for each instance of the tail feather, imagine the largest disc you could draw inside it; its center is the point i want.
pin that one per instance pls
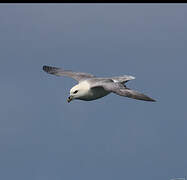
(123, 79)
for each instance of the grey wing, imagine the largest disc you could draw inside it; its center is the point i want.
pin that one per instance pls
(132, 94)
(78, 76)
(119, 89)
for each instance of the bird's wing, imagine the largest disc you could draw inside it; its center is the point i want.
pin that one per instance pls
(132, 94)
(78, 76)
(119, 89)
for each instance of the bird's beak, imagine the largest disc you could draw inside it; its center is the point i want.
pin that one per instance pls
(70, 98)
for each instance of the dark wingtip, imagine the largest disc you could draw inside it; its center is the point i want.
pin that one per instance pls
(152, 100)
(46, 68)
(49, 69)
(146, 98)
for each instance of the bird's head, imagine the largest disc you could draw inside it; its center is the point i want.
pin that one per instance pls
(77, 92)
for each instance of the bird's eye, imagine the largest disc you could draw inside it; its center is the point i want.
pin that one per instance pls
(75, 92)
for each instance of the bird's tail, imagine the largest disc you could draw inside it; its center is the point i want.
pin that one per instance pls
(122, 79)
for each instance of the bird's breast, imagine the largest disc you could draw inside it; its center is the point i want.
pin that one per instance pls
(94, 93)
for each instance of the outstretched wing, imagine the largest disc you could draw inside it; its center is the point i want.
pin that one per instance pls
(121, 90)
(78, 76)
(132, 94)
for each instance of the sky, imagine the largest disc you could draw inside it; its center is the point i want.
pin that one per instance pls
(42, 137)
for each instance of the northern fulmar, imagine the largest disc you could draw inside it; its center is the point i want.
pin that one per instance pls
(90, 87)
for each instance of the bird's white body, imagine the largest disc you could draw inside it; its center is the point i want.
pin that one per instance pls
(86, 93)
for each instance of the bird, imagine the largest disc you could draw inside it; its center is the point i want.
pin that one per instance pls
(90, 87)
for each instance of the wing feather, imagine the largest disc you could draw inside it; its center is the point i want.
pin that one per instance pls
(121, 90)
(133, 94)
(78, 76)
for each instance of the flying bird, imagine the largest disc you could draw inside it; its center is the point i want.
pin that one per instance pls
(90, 87)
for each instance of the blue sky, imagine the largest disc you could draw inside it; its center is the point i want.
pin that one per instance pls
(42, 137)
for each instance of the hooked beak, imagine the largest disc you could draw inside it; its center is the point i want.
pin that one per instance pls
(70, 98)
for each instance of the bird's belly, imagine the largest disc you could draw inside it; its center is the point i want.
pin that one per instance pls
(95, 94)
